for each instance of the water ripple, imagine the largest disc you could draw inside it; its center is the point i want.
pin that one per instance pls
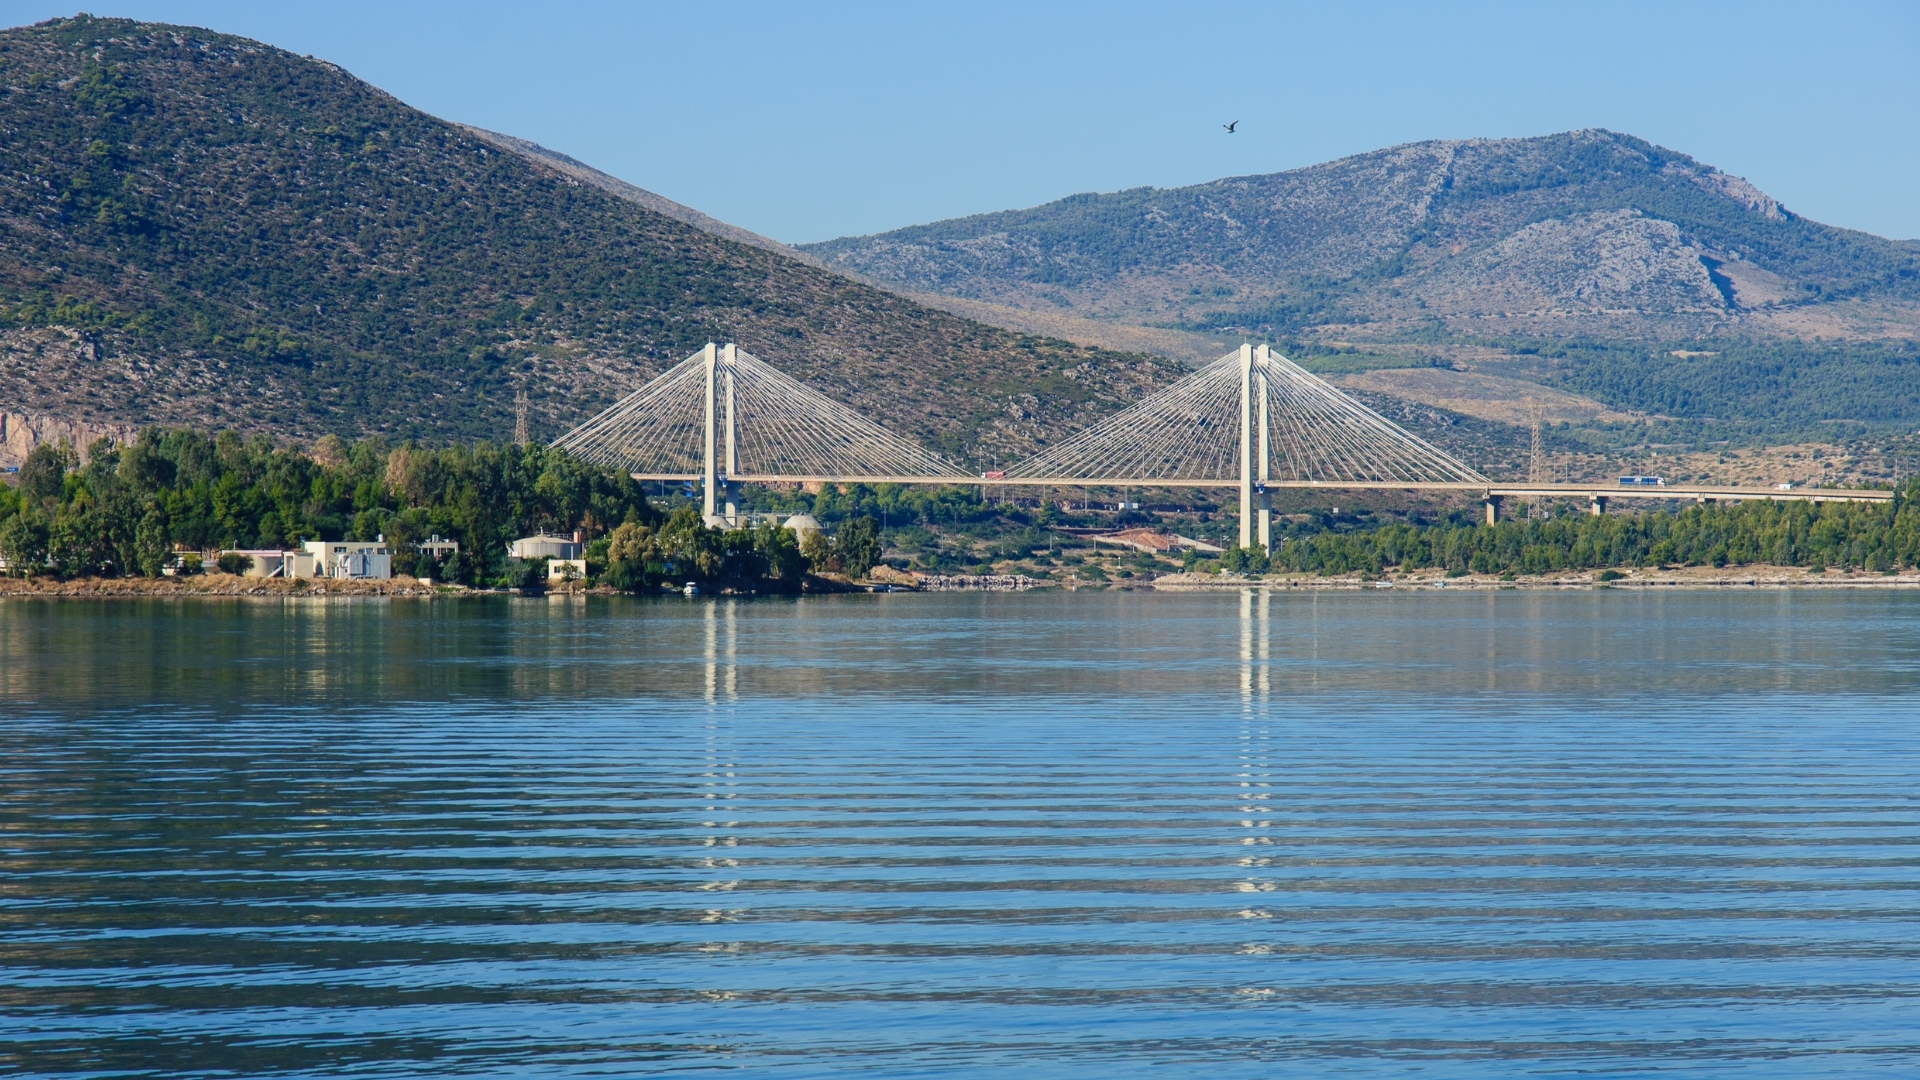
(1078, 836)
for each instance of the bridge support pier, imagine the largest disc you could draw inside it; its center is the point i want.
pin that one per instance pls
(709, 468)
(1256, 458)
(719, 493)
(1597, 506)
(1246, 446)
(1262, 472)
(730, 488)
(1493, 508)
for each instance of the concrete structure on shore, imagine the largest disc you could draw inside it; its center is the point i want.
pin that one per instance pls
(566, 570)
(351, 558)
(273, 562)
(547, 546)
(347, 559)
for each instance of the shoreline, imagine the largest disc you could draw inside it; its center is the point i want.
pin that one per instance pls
(217, 585)
(222, 586)
(1698, 577)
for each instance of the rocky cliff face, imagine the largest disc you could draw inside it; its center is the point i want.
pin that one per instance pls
(33, 362)
(20, 433)
(1605, 260)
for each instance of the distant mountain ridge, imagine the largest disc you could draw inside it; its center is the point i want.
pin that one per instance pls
(1585, 232)
(200, 229)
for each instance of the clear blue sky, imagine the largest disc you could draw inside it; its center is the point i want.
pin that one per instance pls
(805, 123)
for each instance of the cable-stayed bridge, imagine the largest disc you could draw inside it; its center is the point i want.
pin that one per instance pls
(723, 418)
(1251, 420)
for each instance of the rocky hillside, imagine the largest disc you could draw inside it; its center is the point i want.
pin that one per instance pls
(201, 229)
(1583, 233)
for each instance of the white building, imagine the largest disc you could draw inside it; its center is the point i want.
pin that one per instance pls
(566, 569)
(351, 558)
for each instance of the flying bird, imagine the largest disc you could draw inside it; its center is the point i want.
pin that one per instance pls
(1231, 126)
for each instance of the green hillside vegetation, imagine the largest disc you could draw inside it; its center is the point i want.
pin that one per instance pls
(1772, 382)
(1694, 392)
(246, 238)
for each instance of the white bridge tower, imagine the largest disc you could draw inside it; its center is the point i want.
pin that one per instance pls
(719, 494)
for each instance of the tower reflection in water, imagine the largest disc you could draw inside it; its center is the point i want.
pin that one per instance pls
(719, 779)
(1255, 777)
(722, 650)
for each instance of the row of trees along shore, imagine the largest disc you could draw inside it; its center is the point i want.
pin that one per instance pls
(1881, 536)
(129, 509)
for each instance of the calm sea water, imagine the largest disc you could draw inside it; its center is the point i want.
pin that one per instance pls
(1106, 835)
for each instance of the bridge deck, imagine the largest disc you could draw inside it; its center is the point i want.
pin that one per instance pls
(1492, 491)
(1688, 491)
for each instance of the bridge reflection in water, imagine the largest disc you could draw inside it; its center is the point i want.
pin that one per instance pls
(1256, 648)
(722, 652)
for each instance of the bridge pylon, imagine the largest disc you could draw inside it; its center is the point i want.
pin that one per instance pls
(1256, 448)
(722, 417)
(719, 363)
(1254, 420)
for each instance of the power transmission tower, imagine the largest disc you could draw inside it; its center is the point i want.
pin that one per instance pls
(520, 418)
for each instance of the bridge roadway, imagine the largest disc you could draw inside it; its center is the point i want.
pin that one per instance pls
(1597, 495)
